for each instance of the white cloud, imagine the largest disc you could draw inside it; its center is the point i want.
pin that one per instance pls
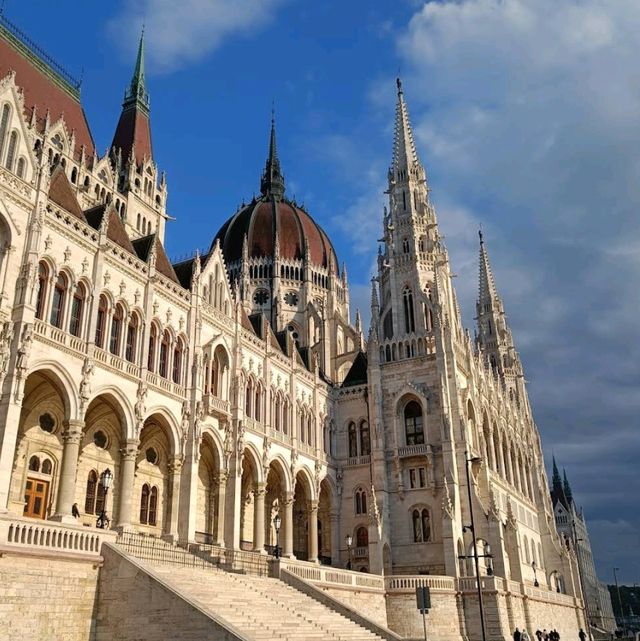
(178, 33)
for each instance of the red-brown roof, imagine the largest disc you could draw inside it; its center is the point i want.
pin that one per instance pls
(133, 131)
(260, 221)
(43, 88)
(61, 193)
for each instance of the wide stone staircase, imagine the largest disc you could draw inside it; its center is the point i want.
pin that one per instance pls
(260, 607)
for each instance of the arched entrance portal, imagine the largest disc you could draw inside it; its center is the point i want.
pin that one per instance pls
(325, 524)
(208, 526)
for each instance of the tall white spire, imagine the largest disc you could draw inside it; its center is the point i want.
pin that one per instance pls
(405, 162)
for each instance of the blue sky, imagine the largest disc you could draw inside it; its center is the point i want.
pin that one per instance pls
(527, 118)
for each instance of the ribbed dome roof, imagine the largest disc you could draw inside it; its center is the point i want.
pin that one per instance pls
(273, 216)
(267, 218)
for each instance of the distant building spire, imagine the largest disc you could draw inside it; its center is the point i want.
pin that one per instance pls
(272, 183)
(567, 488)
(556, 483)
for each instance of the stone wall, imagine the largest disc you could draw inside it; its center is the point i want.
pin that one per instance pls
(47, 598)
(369, 603)
(444, 621)
(135, 606)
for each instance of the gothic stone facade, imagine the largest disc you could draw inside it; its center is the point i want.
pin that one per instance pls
(231, 387)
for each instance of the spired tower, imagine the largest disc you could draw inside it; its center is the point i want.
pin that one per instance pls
(132, 155)
(441, 409)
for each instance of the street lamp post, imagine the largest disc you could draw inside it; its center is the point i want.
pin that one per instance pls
(105, 481)
(535, 576)
(277, 522)
(476, 557)
(349, 540)
(615, 577)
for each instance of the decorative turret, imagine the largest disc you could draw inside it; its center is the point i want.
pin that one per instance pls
(494, 335)
(272, 183)
(566, 487)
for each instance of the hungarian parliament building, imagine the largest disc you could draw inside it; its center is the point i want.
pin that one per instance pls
(229, 401)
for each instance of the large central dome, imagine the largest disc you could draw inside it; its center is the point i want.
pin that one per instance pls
(268, 220)
(272, 219)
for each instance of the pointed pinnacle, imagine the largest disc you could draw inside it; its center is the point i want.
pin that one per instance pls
(405, 156)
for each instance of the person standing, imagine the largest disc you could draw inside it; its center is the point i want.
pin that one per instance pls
(517, 636)
(582, 634)
(525, 635)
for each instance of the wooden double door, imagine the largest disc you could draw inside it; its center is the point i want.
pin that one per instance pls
(36, 494)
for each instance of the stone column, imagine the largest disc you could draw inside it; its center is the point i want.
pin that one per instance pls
(175, 468)
(128, 453)
(258, 517)
(287, 545)
(334, 518)
(313, 531)
(71, 438)
(223, 475)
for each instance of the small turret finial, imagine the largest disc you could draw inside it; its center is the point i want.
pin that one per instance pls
(480, 235)
(399, 85)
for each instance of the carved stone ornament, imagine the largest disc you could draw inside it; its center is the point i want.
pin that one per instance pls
(6, 338)
(447, 503)
(140, 408)
(197, 430)
(184, 425)
(266, 449)
(375, 518)
(85, 384)
(22, 360)
(294, 463)
(317, 476)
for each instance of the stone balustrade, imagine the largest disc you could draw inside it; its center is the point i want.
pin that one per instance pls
(328, 576)
(410, 583)
(21, 534)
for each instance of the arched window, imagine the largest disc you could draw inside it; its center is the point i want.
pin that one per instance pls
(21, 167)
(144, 504)
(74, 175)
(57, 304)
(153, 338)
(101, 321)
(365, 439)
(361, 501)
(301, 426)
(285, 417)
(132, 335)
(94, 497)
(46, 466)
(164, 354)
(405, 245)
(153, 505)
(362, 537)
(138, 222)
(248, 398)
(353, 440)
(4, 123)
(77, 310)
(413, 426)
(34, 464)
(387, 327)
(277, 408)
(43, 277)
(409, 318)
(116, 330)
(177, 361)
(11, 151)
(215, 374)
(256, 406)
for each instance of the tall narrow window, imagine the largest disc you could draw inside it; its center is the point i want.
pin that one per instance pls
(409, 322)
(11, 151)
(417, 527)
(285, 417)
(177, 361)
(43, 277)
(101, 321)
(362, 537)
(151, 359)
(144, 504)
(132, 334)
(248, 397)
(116, 330)
(90, 494)
(153, 505)
(426, 525)
(365, 439)
(164, 354)
(414, 430)
(215, 374)
(77, 309)
(276, 411)
(20, 168)
(99, 498)
(4, 123)
(353, 440)
(256, 406)
(57, 303)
